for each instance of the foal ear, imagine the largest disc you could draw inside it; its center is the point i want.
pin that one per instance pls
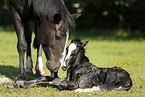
(84, 43)
(76, 15)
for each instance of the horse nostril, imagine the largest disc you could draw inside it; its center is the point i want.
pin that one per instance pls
(48, 64)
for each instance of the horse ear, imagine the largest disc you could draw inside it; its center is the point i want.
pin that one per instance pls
(84, 43)
(76, 15)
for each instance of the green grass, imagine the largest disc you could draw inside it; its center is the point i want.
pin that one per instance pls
(106, 49)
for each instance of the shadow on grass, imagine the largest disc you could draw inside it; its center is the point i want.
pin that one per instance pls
(9, 71)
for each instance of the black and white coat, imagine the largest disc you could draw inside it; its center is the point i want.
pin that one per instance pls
(85, 77)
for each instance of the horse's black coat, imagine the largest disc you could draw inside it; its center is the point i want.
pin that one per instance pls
(82, 74)
(49, 8)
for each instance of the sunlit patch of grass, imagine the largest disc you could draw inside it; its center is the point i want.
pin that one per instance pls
(105, 49)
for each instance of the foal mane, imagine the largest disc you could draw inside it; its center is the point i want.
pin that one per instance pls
(81, 57)
(46, 9)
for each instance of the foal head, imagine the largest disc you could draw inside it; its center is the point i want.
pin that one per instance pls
(53, 35)
(75, 51)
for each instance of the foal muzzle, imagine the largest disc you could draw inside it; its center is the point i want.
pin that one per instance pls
(65, 65)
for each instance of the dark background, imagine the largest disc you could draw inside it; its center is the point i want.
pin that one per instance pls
(100, 14)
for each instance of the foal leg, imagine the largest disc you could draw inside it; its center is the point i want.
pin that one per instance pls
(111, 80)
(63, 84)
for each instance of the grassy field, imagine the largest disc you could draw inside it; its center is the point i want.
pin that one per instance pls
(107, 48)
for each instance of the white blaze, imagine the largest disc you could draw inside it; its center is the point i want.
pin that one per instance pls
(71, 48)
(61, 60)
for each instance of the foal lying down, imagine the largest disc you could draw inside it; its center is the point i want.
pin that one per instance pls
(82, 76)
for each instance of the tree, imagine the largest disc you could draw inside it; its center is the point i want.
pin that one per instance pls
(5, 18)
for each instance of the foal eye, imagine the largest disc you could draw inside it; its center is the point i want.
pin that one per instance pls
(73, 52)
(66, 50)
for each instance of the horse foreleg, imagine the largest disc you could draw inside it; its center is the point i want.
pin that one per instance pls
(21, 44)
(54, 74)
(36, 44)
(29, 62)
(39, 64)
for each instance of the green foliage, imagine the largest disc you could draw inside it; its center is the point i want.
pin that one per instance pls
(110, 13)
(128, 14)
(5, 18)
(101, 50)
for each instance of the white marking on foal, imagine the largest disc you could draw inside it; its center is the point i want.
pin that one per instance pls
(29, 64)
(61, 60)
(40, 65)
(88, 89)
(71, 48)
(120, 87)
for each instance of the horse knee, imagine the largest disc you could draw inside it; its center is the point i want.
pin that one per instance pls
(21, 47)
(36, 44)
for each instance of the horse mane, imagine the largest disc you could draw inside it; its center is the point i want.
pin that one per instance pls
(48, 8)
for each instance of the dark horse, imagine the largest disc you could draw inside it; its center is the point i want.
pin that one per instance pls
(82, 74)
(53, 24)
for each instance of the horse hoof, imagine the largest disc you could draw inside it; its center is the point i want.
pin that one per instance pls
(21, 77)
(29, 73)
(38, 75)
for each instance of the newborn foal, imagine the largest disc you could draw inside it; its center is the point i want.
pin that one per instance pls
(82, 74)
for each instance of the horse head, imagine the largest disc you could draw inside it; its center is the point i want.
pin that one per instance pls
(53, 35)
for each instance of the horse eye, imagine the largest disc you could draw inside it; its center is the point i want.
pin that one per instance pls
(56, 19)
